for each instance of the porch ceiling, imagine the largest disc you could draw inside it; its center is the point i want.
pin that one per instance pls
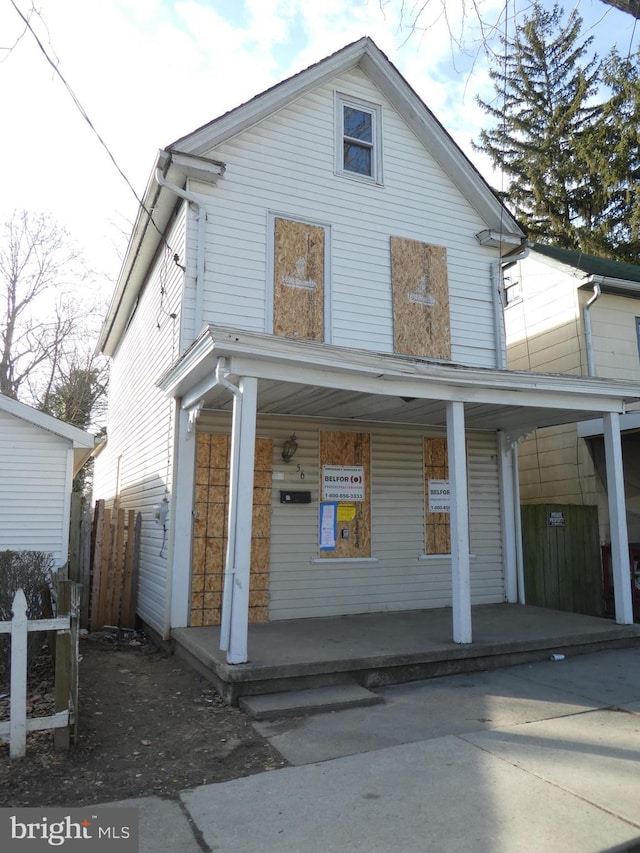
(300, 378)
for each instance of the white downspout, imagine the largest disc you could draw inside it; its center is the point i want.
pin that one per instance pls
(517, 521)
(202, 225)
(588, 334)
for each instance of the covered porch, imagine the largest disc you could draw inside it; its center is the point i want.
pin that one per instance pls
(377, 649)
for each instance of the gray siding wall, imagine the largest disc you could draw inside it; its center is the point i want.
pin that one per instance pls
(135, 468)
(285, 165)
(398, 577)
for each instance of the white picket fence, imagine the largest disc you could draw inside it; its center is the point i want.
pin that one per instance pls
(66, 627)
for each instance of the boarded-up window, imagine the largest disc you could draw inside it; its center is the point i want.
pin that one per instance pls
(421, 324)
(354, 517)
(210, 529)
(298, 280)
(436, 476)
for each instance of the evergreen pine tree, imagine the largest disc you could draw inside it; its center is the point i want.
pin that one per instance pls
(616, 155)
(544, 119)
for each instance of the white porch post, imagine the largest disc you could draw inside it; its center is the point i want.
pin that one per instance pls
(509, 506)
(235, 603)
(181, 520)
(617, 519)
(460, 580)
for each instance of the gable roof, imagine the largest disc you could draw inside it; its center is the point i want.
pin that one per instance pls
(82, 442)
(186, 157)
(366, 55)
(601, 270)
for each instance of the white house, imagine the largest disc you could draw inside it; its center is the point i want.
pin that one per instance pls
(39, 457)
(319, 272)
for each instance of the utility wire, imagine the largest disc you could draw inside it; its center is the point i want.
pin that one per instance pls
(85, 116)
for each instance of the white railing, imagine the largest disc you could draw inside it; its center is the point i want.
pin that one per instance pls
(15, 730)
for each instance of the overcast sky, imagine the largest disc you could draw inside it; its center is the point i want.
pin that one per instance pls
(150, 71)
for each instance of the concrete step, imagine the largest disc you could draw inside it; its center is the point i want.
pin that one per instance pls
(317, 700)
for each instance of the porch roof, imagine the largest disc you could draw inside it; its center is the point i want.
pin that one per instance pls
(307, 378)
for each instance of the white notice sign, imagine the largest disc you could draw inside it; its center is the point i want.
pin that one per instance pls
(439, 495)
(342, 483)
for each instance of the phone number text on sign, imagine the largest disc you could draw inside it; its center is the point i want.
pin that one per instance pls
(342, 483)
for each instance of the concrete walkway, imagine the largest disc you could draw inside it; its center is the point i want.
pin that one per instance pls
(540, 757)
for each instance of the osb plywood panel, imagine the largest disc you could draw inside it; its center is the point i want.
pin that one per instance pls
(437, 526)
(298, 280)
(210, 529)
(350, 448)
(421, 324)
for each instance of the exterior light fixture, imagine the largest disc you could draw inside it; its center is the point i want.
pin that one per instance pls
(289, 448)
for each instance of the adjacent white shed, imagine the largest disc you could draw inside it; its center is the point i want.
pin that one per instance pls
(39, 456)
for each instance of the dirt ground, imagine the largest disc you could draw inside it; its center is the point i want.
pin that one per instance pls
(148, 725)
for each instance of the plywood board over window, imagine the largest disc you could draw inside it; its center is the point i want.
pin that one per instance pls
(421, 323)
(298, 280)
(210, 529)
(350, 448)
(437, 526)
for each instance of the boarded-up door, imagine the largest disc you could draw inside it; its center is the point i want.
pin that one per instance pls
(210, 529)
(561, 551)
(354, 517)
(421, 324)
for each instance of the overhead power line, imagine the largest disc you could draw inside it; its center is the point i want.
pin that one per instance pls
(85, 116)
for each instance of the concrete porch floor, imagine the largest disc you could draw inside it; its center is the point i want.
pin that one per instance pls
(377, 649)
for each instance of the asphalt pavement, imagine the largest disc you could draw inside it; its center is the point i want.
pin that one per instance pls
(537, 757)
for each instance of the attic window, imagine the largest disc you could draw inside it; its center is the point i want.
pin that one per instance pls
(358, 139)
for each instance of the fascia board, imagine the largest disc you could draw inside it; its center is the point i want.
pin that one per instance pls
(423, 388)
(341, 366)
(391, 83)
(145, 238)
(439, 143)
(265, 104)
(78, 437)
(613, 286)
(124, 296)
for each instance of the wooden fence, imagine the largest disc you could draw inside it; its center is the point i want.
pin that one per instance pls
(115, 546)
(65, 626)
(561, 549)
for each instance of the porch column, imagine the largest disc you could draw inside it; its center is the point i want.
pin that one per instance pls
(617, 519)
(181, 520)
(234, 626)
(460, 581)
(509, 506)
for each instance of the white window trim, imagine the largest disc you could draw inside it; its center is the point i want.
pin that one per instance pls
(342, 100)
(272, 215)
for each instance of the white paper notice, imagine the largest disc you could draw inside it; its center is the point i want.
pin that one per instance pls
(328, 526)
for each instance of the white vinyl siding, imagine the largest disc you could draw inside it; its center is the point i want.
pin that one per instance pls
(139, 450)
(287, 163)
(397, 577)
(35, 489)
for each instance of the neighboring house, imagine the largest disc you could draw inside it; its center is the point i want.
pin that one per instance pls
(322, 278)
(39, 457)
(572, 313)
